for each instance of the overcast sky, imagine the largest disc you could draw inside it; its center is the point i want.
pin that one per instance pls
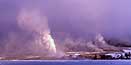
(75, 17)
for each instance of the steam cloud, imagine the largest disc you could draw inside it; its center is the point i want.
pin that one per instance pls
(34, 22)
(40, 41)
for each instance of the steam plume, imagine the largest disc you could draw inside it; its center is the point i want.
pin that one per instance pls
(33, 22)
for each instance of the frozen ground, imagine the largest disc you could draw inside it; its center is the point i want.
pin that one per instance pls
(66, 62)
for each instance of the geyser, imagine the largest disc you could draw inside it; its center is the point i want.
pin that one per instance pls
(35, 23)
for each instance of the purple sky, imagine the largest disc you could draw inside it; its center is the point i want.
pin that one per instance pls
(76, 17)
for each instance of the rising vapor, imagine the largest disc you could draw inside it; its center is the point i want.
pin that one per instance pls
(34, 22)
(37, 41)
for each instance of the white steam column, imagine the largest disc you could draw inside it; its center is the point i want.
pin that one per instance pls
(33, 21)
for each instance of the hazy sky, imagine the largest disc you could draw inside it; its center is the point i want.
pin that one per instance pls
(76, 17)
